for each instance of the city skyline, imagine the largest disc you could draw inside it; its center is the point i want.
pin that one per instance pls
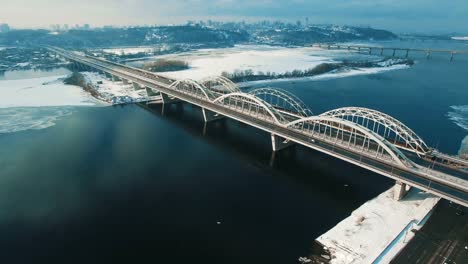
(415, 16)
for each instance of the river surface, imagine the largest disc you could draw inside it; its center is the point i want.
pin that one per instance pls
(137, 184)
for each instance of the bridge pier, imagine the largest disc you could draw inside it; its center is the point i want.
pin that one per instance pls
(150, 93)
(394, 51)
(278, 143)
(407, 53)
(400, 190)
(166, 99)
(209, 116)
(125, 81)
(136, 86)
(115, 78)
(381, 51)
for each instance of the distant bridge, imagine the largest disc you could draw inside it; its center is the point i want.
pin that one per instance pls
(380, 50)
(364, 137)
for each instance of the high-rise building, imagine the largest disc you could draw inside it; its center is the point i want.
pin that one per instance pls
(4, 28)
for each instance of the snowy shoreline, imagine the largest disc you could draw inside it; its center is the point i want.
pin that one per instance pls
(379, 229)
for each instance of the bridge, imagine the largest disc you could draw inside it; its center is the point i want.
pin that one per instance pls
(364, 137)
(380, 50)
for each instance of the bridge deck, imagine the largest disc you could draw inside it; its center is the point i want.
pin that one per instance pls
(336, 144)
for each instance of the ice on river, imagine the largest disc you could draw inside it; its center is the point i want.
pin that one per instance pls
(38, 103)
(44, 91)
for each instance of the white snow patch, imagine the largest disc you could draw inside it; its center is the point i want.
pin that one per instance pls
(357, 71)
(460, 38)
(463, 152)
(128, 51)
(459, 115)
(44, 91)
(114, 92)
(379, 223)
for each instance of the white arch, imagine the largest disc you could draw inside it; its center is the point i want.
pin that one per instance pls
(225, 82)
(195, 84)
(414, 142)
(273, 113)
(296, 103)
(395, 153)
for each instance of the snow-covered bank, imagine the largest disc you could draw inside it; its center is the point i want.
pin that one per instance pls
(265, 59)
(113, 92)
(379, 229)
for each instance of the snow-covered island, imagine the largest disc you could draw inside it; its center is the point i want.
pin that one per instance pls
(262, 63)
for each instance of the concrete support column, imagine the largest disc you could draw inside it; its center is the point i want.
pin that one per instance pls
(210, 115)
(125, 81)
(166, 99)
(136, 86)
(279, 143)
(115, 78)
(400, 190)
(151, 93)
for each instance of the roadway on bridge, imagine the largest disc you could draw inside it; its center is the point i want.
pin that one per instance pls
(338, 143)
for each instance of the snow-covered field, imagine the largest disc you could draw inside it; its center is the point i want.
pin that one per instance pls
(209, 62)
(37, 103)
(379, 224)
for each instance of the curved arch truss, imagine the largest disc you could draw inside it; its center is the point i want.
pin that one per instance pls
(384, 125)
(194, 88)
(352, 136)
(251, 105)
(220, 84)
(283, 101)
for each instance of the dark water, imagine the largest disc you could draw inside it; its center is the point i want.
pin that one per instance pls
(137, 185)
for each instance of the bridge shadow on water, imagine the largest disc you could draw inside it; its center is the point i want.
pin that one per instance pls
(337, 181)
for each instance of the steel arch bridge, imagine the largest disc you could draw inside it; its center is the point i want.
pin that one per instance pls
(364, 137)
(351, 135)
(384, 125)
(220, 84)
(283, 100)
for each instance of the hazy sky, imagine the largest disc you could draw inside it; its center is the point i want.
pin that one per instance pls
(398, 15)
